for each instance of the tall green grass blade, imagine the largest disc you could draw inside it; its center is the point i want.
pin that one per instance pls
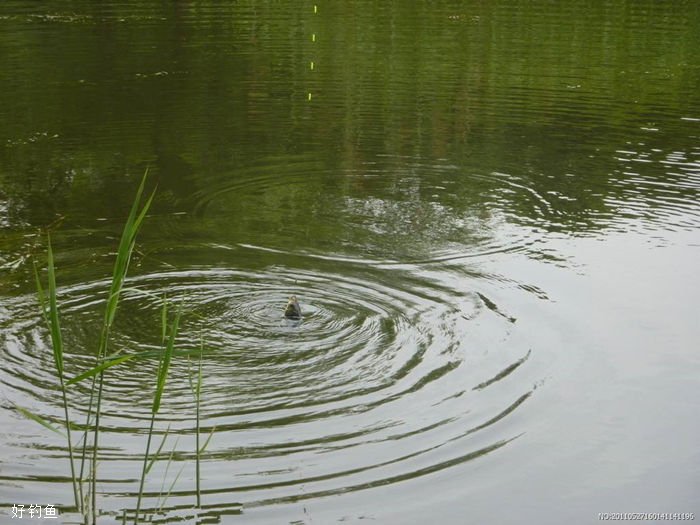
(170, 490)
(100, 368)
(126, 246)
(163, 370)
(143, 470)
(199, 375)
(189, 378)
(157, 452)
(42, 295)
(84, 439)
(197, 394)
(206, 443)
(50, 314)
(34, 417)
(164, 319)
(196, 388)
(56, 339)
(121, 265)
(157, 396)
(165, 476)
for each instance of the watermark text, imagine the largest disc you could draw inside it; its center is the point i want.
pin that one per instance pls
(33, 511)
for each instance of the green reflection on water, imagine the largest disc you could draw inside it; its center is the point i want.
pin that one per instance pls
(203, 93)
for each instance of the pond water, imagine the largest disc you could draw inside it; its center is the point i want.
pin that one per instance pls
(488, 211)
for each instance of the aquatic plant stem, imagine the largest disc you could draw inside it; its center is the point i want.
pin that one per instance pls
(196, 392)
(85, 440)
(197, 397)
(163, 367)
(121, 265)
(53, 323)
(74, 481)
(199, 498)
(96, 434)
(49, 310)
(144, 469)
(97, 379)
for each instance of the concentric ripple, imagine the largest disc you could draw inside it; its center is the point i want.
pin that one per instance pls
(401, 207)
(371, 387)
(409, 209)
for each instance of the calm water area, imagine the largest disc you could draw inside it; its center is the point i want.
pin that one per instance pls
(489, 212)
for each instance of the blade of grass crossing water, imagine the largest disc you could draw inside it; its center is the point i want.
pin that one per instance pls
(164, 319)
(34, 417)
(163, 370)
(197, 393)
(170, 490)
(157, 452)
(159, 504)
(206, 443)
(160, 386)
(144, 469)
(100, 368)
(52, 320)
(56, 339)
(42, 295)
(126, 246)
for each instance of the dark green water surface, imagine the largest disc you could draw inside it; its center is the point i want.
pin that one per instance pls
(489, 212)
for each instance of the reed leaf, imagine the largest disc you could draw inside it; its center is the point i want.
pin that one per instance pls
(197, 398)
(165, 364)
(206, 443)
(121, 265)
(126, 247)
(196, 391)
(100, 368)
(170, 490)
(165, 475)
(34, 417)
(144, 469)
(163, 367)
(56, 339)
(50, 314)
(164, 319)
(157, 452)
(41, 295)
